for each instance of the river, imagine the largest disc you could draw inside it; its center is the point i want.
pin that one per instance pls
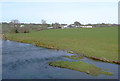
(26, 61)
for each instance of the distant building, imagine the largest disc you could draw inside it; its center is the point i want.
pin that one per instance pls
(86, 26)
(22, 25)
(71, 25)
(49, 27)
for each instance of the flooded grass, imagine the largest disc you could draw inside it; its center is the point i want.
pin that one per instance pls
(75, 57)
(80, 66)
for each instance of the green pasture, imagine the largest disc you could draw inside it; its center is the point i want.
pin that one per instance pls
(101, 42)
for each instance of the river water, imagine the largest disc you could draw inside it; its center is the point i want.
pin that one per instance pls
(26, 61)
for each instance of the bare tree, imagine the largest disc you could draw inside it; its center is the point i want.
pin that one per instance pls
(43, 21)
(15, 21)
(14, 24)
(55, 25)
(77, 24)
(44, 24)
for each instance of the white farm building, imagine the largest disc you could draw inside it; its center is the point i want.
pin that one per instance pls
(86, 26)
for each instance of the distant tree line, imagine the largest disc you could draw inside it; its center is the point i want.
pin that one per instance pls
(16, 27)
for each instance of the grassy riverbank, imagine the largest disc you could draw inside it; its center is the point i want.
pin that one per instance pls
(96, 43)
(80, 66)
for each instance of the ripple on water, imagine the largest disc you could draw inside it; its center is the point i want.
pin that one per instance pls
(25, 61)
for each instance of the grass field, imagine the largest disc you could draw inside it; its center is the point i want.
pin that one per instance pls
(99, 42)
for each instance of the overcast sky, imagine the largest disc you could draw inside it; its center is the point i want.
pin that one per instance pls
(62, 12)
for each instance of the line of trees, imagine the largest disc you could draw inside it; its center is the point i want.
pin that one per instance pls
(15, 27)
